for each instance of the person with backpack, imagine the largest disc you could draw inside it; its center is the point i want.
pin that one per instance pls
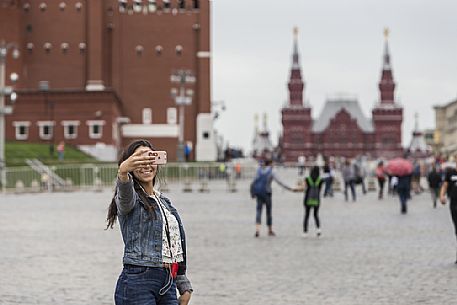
(261, 190)
(312, 188)
(449, 188)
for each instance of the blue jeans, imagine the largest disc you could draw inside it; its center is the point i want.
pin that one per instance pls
(350, 184)
(261, 200)
(328, 190)
(139, 285)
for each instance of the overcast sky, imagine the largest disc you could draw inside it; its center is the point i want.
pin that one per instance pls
(341, 45)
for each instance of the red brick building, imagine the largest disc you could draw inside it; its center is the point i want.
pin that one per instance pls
(341, 130)
(108, 72)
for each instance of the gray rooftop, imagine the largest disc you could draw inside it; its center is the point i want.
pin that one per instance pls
(332, 107)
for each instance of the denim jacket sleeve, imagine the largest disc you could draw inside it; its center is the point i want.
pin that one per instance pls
(182, 282)
(125, 196)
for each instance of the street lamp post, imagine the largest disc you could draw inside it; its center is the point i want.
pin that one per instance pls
(182, 99)
(52, 127)
(44, 88)
(4, 110)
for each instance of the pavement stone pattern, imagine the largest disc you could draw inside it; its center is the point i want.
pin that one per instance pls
(54, 250)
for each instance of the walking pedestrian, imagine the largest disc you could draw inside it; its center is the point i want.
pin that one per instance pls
(390, 189)
(416, 177)
(312, 187)
(349, 180)
(434, 184)
(359, 175)
(154, 238)
(403, 189)
(301, 165)
(328, 177)
(381, 176)
(187, 151)
(262, 191)
(61, 150)
(449, 188)
(238, 170)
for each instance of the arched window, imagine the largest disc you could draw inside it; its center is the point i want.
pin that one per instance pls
(181, 4)
(166, 4)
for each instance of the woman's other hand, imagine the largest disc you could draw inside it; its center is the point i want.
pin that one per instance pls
(184, 298)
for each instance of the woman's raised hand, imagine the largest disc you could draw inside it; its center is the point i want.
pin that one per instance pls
(137, 160)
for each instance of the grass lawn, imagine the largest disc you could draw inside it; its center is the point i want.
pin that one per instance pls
(17, 152)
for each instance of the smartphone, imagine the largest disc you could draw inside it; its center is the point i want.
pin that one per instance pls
(160, 157)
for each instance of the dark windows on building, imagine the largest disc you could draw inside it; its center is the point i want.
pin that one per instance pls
(196, 4)
(46, 129)
(70, 129)
(95, 128)
(22, 130)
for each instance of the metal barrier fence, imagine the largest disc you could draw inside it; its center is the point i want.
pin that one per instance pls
(99, 176)
(192, 176)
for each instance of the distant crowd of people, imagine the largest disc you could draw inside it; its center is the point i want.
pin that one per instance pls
(400, 175)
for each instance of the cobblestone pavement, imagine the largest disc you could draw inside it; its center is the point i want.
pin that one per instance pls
(54, 250)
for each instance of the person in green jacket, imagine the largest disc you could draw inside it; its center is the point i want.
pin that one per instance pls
(312, 187)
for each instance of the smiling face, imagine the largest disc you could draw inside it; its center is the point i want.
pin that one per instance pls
(145, 174)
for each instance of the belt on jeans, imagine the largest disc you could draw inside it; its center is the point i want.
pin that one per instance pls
(164, 265)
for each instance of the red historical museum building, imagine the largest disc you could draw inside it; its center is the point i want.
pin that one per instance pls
(98, 74)
(341, 130)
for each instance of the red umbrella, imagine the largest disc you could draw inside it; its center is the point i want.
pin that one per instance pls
(399, 167)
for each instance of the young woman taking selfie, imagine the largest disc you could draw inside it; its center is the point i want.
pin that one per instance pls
(154, 238)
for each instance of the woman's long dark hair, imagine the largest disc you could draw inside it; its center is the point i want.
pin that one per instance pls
(112, 209)
(314, 173)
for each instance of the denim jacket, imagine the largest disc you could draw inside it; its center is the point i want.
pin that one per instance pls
(142, 235)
